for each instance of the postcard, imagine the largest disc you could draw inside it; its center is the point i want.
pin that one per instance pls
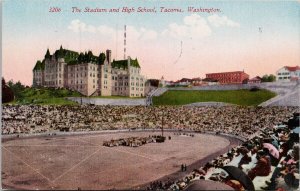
(150, 95)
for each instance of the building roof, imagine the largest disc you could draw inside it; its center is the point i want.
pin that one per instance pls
(292, 68)
(210, 80)
(255, 78)
(73, 57)
(227, 72)
(123, 63)
(184, 80)
(39, 65)
(196, 79)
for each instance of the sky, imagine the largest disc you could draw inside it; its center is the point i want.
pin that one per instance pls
(258, 37)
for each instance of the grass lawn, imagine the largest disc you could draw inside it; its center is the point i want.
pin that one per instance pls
(238, 97)
(45, 96)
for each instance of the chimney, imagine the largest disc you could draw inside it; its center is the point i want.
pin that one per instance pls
(128, 62)
(108, 56)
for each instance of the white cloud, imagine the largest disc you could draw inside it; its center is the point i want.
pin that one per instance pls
(193, 26)
(77, 26)
(133, 33)
(218, 21)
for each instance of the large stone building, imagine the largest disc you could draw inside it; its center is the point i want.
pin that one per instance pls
(288, 73)
(89, 74)
(236, 77)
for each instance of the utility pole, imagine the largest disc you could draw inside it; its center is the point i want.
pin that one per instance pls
(124, 42)
(162, 124)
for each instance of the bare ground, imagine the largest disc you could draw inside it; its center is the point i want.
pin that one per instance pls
(72, 162)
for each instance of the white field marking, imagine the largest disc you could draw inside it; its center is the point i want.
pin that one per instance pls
(77, 164)
(27, 165)
(50, 146)
(144, 156)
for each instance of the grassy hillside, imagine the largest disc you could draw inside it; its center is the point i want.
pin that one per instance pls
(45, 96)
(239, 97)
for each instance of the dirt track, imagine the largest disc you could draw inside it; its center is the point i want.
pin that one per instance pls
(70, 162)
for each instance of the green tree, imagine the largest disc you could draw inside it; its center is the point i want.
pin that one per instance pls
(17, 88)
(264, 78)
(271, 78)
(7, 93)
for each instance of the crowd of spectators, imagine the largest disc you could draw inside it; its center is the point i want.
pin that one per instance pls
(236, 120)
(269, 158)
(134, 141)
(267, 161)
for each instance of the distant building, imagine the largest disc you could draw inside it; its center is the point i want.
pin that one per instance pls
(89, 74)
(288, 73)
(255, 80)
(210, 81)
(236, 77)
(184, 82)
(162, 82)
(196, 82)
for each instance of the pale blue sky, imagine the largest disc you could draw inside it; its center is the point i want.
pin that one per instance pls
(29, 22)
(25, 14)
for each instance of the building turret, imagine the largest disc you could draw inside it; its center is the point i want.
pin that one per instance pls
(47, 55)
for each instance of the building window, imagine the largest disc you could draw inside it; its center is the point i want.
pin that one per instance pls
(105, 75)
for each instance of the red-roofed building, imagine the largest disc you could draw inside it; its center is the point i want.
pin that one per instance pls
(255, 80)
(288, 73)
(236, 77)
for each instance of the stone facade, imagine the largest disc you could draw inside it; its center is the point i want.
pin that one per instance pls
(89, 74)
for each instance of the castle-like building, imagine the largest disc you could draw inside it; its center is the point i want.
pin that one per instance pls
(89, 74)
